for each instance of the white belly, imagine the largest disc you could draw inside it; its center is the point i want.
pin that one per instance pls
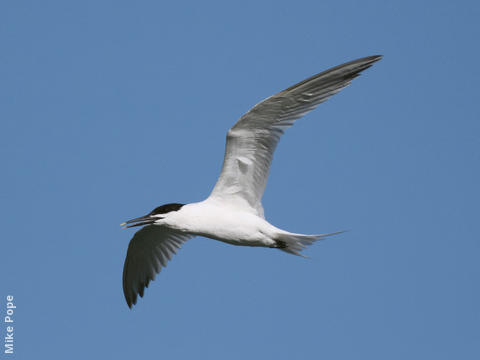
(229, 225)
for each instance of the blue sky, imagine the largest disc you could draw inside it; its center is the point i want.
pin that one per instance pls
(111, 108)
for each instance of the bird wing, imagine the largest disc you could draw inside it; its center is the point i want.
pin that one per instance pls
(253, 139)
(149, 250)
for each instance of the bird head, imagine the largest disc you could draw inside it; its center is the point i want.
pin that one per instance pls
(153, 216)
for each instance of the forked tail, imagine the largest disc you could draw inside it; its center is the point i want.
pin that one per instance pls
(295, 243)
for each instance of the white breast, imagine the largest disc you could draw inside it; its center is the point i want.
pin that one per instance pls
(224, 223)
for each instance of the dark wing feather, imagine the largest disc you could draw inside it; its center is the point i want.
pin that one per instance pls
(149, 250)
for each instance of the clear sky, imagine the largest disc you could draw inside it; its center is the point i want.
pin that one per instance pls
(111, 108)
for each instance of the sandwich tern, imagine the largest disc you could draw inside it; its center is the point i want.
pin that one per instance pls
(233, 212)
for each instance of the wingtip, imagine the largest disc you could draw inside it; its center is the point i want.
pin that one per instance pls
(374, 58)
(131, 302)
(369, 60)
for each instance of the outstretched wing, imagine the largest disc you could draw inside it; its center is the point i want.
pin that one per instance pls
(253, 139)
(149, 250)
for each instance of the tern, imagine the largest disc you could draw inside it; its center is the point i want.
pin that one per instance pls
(233, 212)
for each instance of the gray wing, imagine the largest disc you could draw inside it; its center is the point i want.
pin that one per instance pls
(149, 250)
(251, 142)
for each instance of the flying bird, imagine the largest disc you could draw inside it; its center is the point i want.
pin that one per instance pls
(233, 212)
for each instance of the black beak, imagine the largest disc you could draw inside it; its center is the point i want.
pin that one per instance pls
(140, 221)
